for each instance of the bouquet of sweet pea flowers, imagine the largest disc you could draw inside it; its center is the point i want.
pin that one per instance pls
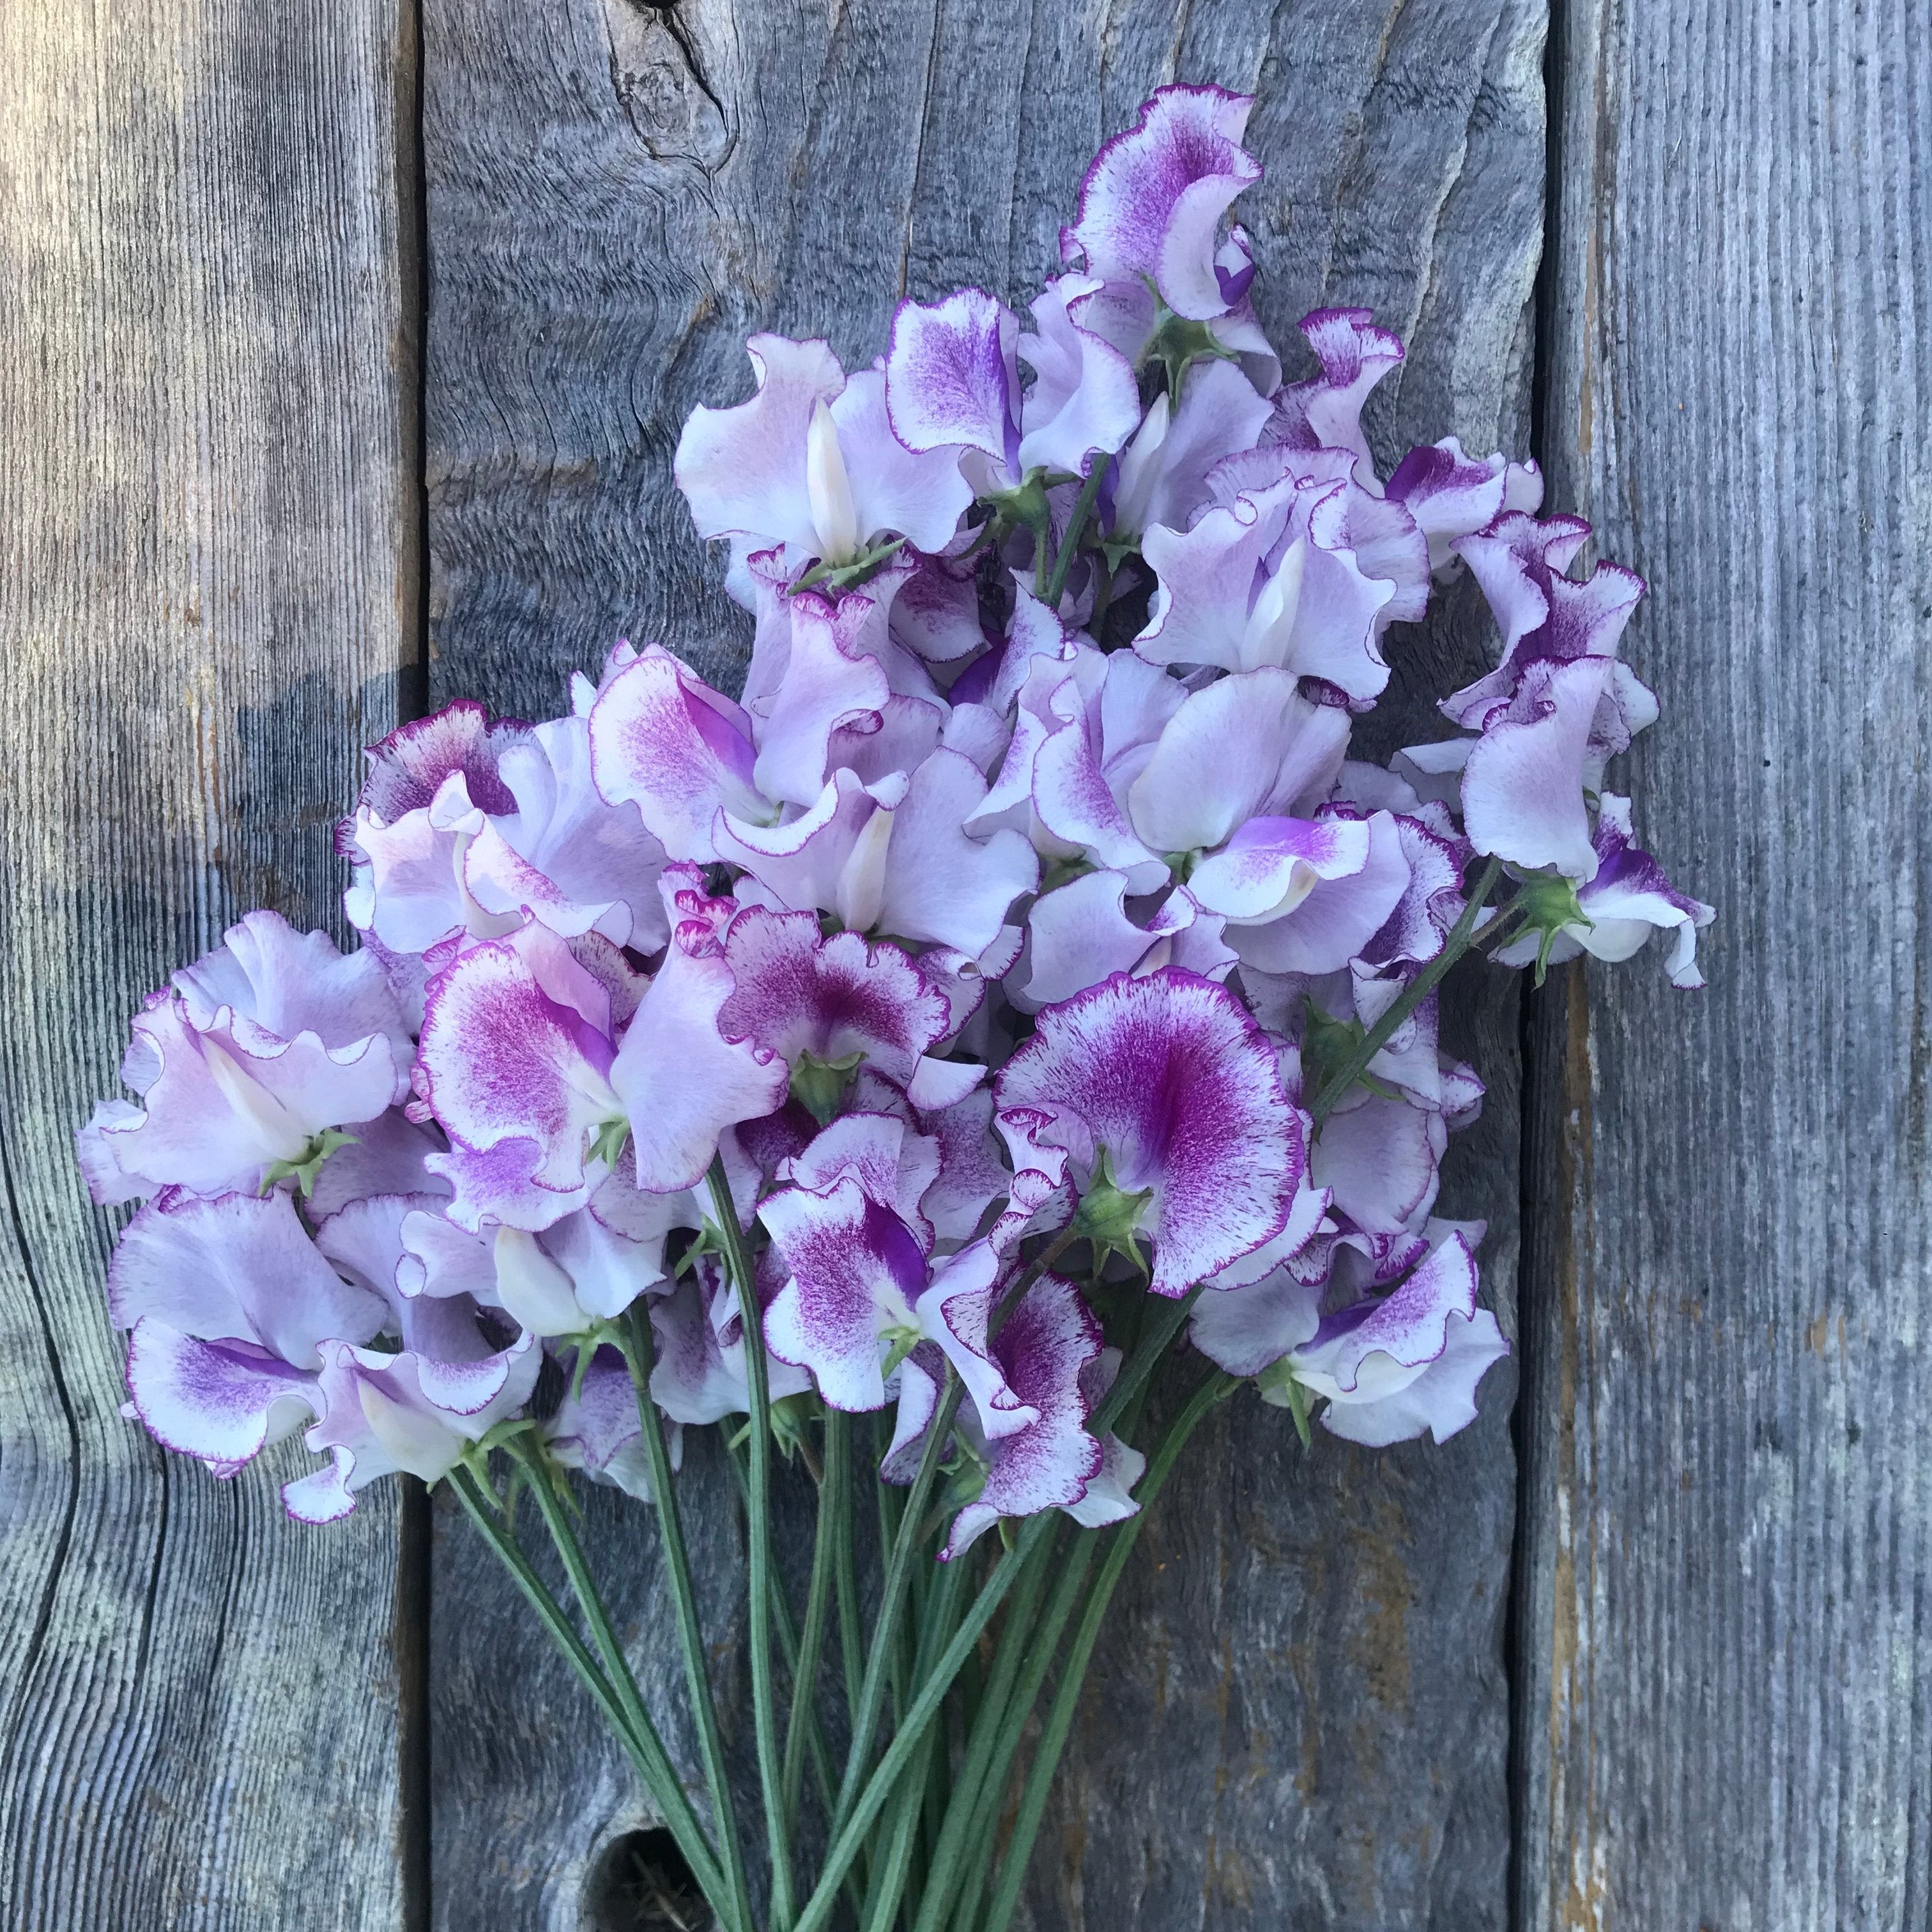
(1017, 990)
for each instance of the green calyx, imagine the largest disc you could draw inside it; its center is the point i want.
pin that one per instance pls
(608, 1142)
(304, 1170)
(1280, 1390)
(1177, 344)
(1327, 1045)
(794, 1418)
(861, 570)
(821, 1084)
(1109, 1217)
(1545, 904)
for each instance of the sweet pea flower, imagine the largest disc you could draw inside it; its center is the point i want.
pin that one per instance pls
(1270, 579)
(597, 1428)
(662, 738)
(1305, 894)
(952, 380)
(895, 856)
(1452, 495)
(1325, 412)
(542, 839)
(251, 1063)
(1148, 228)
(231, 1307)
(823, 1004)
(698, 1375)
(864, 1284)
(810, 466)
(1044, 1352)
(1558, 705)
(386, 1414)
(1392, 1367)
(517, 1061)
(1628, 900)
(1163, 1090)
(1081, 933)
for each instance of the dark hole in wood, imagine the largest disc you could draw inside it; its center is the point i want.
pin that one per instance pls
(642, 1884)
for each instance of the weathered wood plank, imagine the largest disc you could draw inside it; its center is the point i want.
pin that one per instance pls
(616, 194)
(1725, 1719)
(209, 569)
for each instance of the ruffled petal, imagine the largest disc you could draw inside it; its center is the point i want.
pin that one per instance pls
(1171, 1077)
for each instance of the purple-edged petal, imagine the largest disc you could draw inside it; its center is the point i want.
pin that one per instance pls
(1151, 204)
(951, 379)
(742, 470)
(1452, 494)
(892, 1163)
(382, 1414)
(1410, 1362)
(579, 862)
(940, 884)
(224, 1402)
(1378, 1158)
(237, 1268)
(1245, 747)
(681, 1082)
(1084, 397)
(596, 1428)
(1164, 475)
(1332, 904)
(661, 738)
(1244, 1330)
(1171, 1077)
(856, 1271)
(830, 681)
(516, 1047)
(831, 858)
(1077, 935)
(896, 491)
(1325, 411)
(1047, 1340)
(1631, 898)
(1523, 785)
(408, 767)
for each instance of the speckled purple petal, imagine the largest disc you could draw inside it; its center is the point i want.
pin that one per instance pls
(663, 739)
(1151, 204)
(1047, 1341)
(224, 1402)
(1173, 1078)
(236, 1268)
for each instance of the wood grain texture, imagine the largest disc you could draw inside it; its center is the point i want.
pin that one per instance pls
(617, 193)
(1727, 1615)
(207, 567)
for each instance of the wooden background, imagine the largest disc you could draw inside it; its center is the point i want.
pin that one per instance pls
(345, 350)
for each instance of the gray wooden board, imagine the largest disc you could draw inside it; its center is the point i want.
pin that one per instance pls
(616, 194)
(207, 562)
(1725, 1717)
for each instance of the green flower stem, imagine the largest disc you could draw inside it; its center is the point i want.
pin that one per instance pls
(805, 1667)
(1072, 1677)
(845, 1577)
(1133, 1378)
(892, 1870)
(1069, 544)
(895, 1764)
(982, 1830)
(788, 1636)
(638, 1732)
(637, 1354)
(758, 1538)
(892, 1602)
(956, 1834)
(1419, 988)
